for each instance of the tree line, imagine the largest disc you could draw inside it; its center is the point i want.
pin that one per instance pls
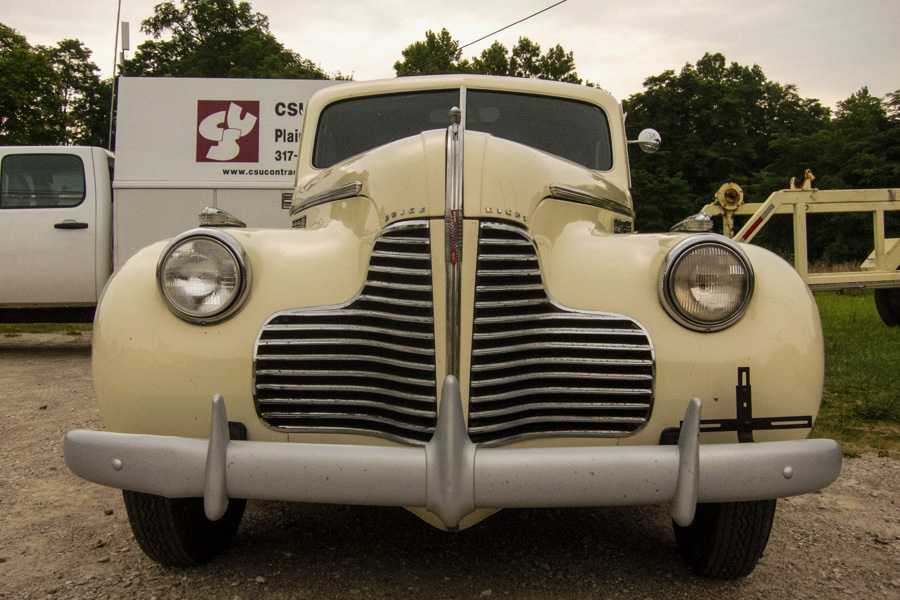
(440, 53)
(719, 121)
(724, 122)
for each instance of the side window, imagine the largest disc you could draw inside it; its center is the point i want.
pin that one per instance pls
(41, 181)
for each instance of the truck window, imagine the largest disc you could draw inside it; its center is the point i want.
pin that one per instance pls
(570, 129)
(41, 181)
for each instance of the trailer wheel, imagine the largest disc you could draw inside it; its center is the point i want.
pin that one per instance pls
(175, 531)
(727, 539)
(887, 301)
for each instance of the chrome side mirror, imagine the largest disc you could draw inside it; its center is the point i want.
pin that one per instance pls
(649, 141)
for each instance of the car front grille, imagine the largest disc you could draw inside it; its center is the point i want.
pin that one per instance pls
(541, 369)
(365, 367)
(538, 369)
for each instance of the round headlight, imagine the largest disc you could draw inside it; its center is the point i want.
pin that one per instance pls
(203, 276)
(706, 283)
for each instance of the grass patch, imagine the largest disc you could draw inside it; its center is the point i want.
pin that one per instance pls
(14, 329)
(861, 402)
(845, 267)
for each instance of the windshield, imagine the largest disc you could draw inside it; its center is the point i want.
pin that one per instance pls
(567, 128)
(350, 127)
(570, 129)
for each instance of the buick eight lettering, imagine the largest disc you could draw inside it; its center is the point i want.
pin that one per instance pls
(461, 319)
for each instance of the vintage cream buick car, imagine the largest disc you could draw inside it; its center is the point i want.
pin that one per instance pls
(461, 319)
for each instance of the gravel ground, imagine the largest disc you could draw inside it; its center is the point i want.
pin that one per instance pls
(61, 537)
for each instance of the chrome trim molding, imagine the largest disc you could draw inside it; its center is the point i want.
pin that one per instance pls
(573, 194)
(341, 192)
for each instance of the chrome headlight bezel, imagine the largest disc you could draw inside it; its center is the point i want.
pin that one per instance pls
(668, 282)
(242, 272)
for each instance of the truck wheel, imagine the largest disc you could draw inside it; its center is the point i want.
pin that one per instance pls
(726, 539)
(887, 301)
(175, 531)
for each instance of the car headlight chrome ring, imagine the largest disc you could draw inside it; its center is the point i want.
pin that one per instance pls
(706, 283)
(203, 276)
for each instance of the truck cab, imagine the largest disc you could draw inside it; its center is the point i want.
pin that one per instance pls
(55, 227)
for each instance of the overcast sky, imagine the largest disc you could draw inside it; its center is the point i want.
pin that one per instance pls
(828, 48)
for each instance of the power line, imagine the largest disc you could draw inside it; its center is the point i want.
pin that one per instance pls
(513, 24)
(543, 10)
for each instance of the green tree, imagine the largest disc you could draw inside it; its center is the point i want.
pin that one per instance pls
(494, 60)
(440, 53)
(215, 38)
(859, 148)
(526, 59)
(91, 116)
(718, 122)
(86, 99)
(50, 95)
(558, 65)
(726, 122)
(868, 135)
(31, 109)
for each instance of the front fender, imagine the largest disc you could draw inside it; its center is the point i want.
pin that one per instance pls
(779, 338)
(154, 373)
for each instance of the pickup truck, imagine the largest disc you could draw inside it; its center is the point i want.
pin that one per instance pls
(56, 232)
(461, 319)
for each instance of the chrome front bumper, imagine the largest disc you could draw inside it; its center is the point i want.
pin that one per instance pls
(450, 476)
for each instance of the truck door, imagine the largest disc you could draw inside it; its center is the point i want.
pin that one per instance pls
(47, 228)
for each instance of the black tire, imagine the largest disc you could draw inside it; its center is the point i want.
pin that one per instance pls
(175, 531)
(887, 301)
(727, 539)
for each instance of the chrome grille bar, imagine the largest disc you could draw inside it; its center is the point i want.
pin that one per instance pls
(352, 403)
(367, 367)
(350, 328)
(555, 347)
(541, 369)
(372, 390)
(371, 374)
(563, 361)
(353, 357)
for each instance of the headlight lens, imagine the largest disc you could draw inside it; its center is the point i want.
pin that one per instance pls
(706, 283)
(203, 276)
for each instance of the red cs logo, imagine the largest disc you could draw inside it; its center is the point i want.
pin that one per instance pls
(227, 131)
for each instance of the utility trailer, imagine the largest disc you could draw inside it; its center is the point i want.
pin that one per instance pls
(879, 271)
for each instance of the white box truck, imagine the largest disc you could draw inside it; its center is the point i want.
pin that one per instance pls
(182, 144)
